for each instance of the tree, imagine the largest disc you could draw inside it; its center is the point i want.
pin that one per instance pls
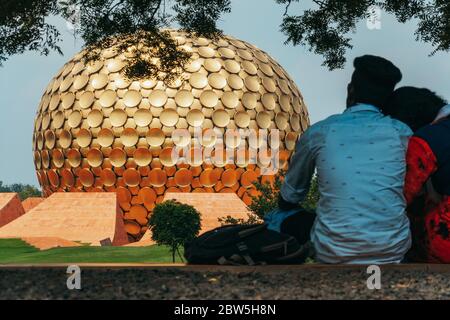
(24, 190)
(123, 24)
(324, 28)
(174, 224)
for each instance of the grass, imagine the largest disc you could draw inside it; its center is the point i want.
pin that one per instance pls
(16, 251)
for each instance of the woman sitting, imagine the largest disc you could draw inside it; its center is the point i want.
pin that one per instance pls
(427, 184)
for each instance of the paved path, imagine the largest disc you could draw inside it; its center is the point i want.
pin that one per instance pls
(145, 281)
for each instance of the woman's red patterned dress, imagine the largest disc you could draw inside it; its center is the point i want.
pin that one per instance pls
(430, 221)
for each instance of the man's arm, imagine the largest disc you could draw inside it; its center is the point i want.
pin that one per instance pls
(298, 178)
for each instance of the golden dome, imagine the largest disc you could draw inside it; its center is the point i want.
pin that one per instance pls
(96, 131)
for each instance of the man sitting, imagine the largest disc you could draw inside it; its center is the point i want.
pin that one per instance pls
(359, 156)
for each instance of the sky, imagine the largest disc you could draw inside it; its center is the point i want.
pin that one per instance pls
(23, 78)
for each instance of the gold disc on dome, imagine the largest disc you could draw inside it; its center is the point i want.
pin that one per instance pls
(295, 122)
(268, 101)
(148, 84)
(263, 119)
(233, 138)
(206, 52)
(212, 65)
(95, 118)
(53, 177)
(269, 84)
(157, 177)
(198, 80)
(195, 117)
(87, 98)
(226, 53)
(209, 99)
(132, 98)
(221, 118)
(99, 81)
(86, 177)
(79, 66)
(193, 66)
(84, 138)
(235, 82)
(94, 66)
(208, 178)
(65, 139)
(50, 139)
(58, 158)
(157, 98)
(201, 41)
(142, 156)
(183, 177)
(242, 119)
(67, 178)
(131, 177)
(252, 83)
(266, 69)
(115, 65)
(108, 177)
(129, 137)
(184, 98)
(169, 117)
(117, 157)
(217, 81)
(249, 100)
(208, 138)
(80, 81)
(143, 117)
(46, 120)
(281, 120)
(285, 102)
(261, 56)
(229, 178)
(54, 102)
(245, 54)
(58, 119)
(105, 137)
(74, 119)
(45, 158)
(65, 85)
(155, 137)
(121, 83)
(166, 157)
(118, 117)
(290, 140)
(284, 86)
(249, 67)
(74, 158)
(107, 98)
(230, 100)
(95, 157)
(232, 66)
(67, 100)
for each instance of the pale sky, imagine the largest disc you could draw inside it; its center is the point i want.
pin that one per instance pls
(24, 78)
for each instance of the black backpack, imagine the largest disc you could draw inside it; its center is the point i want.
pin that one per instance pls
(245, 245)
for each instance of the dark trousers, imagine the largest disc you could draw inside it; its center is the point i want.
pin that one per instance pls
(299, 225)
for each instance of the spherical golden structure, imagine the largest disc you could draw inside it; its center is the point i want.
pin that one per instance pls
(97, 131)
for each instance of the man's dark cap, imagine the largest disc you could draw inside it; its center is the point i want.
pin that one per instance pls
(377, 70)
(374, 79)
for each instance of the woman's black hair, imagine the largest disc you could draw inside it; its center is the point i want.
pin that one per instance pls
(417, 107)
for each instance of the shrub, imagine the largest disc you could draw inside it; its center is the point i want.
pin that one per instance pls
(267, 200)
(24, 190)
(174, 224)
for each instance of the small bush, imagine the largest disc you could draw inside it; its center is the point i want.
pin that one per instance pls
(174, 224)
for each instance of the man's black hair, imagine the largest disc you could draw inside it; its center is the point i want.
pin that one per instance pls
(373, 80)
(417, 107)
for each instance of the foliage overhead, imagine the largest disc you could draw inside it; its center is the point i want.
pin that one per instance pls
(123, 24)
(174, 224)
(24, 190)
(325, 27)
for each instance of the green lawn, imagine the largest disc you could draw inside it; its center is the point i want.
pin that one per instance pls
(16, 251)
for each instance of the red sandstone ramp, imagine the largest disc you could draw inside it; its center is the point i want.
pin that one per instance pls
(10, 208)
(30, 203)
(145, 241)
(84, 217)
(212, 206)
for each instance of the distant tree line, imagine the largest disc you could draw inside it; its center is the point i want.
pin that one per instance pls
(24, 190)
